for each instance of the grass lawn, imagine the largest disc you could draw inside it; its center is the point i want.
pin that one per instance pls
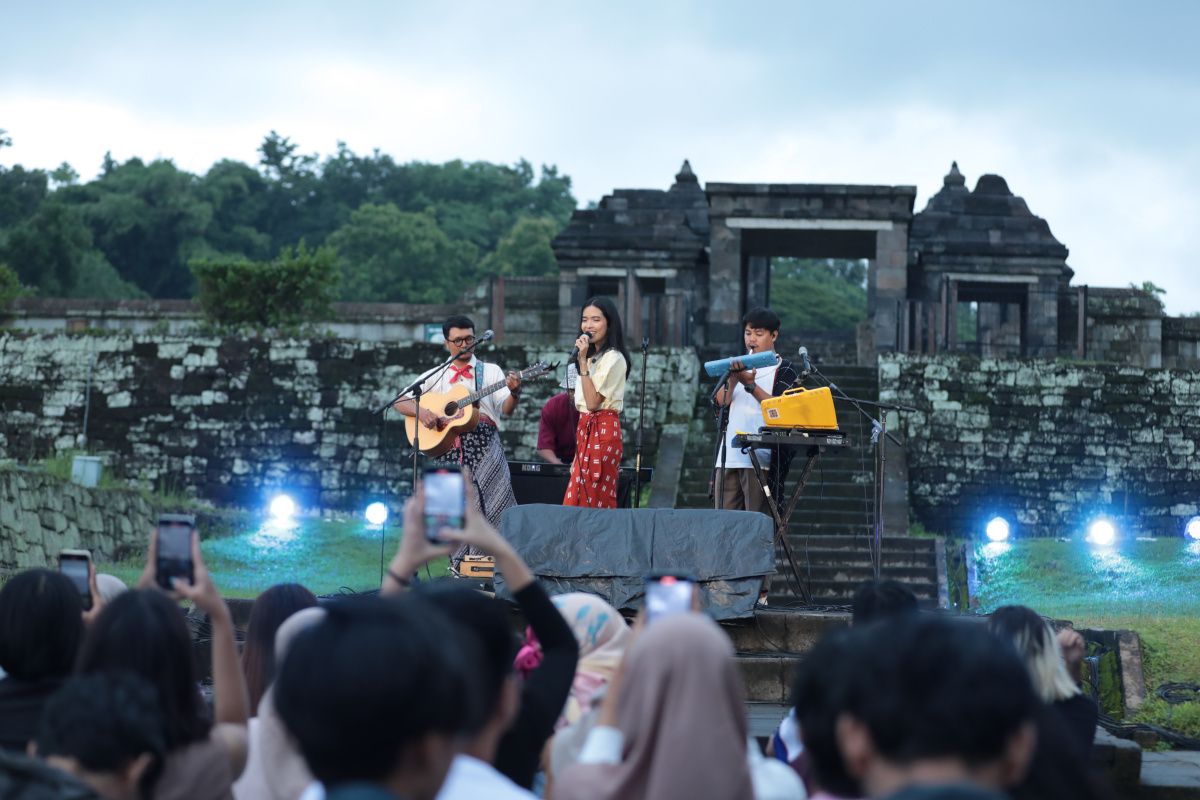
(324, 555)
(1152, 587)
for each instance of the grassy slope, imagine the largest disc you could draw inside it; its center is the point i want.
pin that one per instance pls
(1152, 587)
(324, 555)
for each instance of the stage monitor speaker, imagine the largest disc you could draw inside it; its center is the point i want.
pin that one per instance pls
(609, 552)
(538, 482)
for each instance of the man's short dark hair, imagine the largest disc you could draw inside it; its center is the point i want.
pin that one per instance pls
(41, 625)
(457, 321)
(370, 679)
(927, 687)
(819, 695)
(103, 721)
(487, 621)
(763, 318)
(876, 600)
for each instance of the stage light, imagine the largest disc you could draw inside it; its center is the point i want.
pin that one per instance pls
(997, 529)
(1102, 532)
(1192, 528)
(282, 507)
(377, 513)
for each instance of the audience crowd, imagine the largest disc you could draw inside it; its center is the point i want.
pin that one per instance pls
(425, 691)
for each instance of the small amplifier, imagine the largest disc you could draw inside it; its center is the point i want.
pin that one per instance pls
(477, 568)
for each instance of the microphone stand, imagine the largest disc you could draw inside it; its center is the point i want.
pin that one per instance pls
(879, 438)
(637, 460)
(722, 422)
(414, 390)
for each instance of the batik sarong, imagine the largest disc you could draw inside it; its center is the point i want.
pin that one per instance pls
(597, 463)
(481, 452)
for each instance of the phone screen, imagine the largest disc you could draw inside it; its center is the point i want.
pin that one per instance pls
(174, 544)
(445, 500)
(667, 595)
(75, 567)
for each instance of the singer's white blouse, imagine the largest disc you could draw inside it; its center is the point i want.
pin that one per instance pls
(608, 377)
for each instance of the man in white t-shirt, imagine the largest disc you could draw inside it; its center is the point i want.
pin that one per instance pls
(736, 487)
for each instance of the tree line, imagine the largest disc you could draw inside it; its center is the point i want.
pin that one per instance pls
(276, 241)
(396, 232)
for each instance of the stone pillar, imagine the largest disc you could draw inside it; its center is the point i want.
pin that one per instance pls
(758, 282)
(724, 284)
(1041, 318)
(887, 285)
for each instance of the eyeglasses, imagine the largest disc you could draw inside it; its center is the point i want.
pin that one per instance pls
(463, 341)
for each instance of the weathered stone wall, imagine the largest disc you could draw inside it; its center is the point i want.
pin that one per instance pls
(231, 419)
(41, 515)
(1049, 445)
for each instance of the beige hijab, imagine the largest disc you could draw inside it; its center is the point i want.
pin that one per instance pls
(602, 635)
(681, 710)
(275, 770)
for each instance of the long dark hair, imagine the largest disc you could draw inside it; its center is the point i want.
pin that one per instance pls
(269, 611)
(144, 632)
(41, 625)
(615, 338)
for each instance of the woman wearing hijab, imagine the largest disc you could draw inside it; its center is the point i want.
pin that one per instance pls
(673, 725)
(602, 635)
(276, 769)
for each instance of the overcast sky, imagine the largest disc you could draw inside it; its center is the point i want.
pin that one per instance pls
(1090, 110)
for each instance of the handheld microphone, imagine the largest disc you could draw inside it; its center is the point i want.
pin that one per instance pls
(805, 364)
(716, 369)
(575, 350)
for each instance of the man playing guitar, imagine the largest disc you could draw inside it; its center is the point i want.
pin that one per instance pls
(478, 449)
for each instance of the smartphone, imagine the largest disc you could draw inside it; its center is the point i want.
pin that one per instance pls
(76, 565)
(668, 594)
(445, 500)
(174, 558)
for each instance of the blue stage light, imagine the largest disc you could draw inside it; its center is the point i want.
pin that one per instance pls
(1192, 528)
(997, 529)
(377, 513)
(282, 507)
(1102, 532)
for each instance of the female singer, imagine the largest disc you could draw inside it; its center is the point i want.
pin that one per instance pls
(599, 396)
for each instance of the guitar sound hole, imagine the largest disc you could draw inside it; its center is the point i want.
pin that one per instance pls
(451, 410)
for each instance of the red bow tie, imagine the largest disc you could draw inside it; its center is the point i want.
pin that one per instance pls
(460, 372)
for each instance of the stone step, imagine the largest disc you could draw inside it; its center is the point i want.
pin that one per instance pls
(841, 592)
(854, 574)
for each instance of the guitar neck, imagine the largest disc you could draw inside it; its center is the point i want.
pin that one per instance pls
(482, 393)
(492, 387)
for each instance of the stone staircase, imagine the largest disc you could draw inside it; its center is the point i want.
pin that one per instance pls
(831, 528)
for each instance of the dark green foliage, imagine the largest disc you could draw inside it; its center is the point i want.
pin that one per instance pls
(147, 222)
(394, 256)
(295, 287)
(10, 286)
(525, 250)
(819, 294)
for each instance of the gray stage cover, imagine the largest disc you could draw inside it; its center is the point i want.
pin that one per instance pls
(607, 552)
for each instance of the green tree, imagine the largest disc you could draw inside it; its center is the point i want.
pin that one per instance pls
(819, 294)
(525, 250)
(295, 287)
(389, 255)
(149, 221)
(52, 253)
(21, 192)
(10, 285)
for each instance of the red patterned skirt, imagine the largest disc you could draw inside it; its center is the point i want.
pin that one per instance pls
(597, 461)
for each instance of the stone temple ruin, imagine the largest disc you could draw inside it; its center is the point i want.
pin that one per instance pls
(687, 262)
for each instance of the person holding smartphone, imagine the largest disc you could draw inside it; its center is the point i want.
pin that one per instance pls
(503, 755)
(144, 632)
(603, 363)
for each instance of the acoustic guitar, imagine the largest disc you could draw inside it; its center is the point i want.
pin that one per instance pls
(458, 406)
